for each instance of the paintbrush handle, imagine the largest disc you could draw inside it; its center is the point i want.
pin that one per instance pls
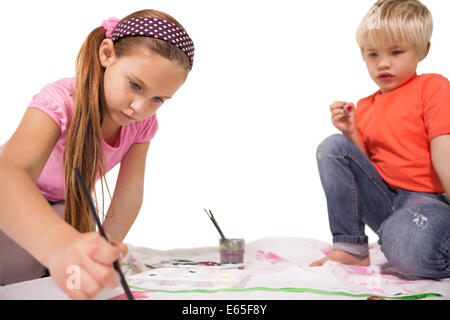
(123, 281)
(87, 197)
(218, 229)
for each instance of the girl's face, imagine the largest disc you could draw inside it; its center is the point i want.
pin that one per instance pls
(137, 84)
(391, 65)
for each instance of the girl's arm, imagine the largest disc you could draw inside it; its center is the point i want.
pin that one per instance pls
(25, 215)
(27, 218)
(440, 156)
(128, 193)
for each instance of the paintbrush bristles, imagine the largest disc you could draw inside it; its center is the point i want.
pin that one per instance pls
(208, 214)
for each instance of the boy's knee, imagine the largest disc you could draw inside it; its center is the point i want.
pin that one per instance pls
(333, 145)
(412, 249)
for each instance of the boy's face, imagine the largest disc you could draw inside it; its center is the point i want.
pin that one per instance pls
(391, 65)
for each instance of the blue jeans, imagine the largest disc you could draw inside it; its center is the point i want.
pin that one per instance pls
(413, 227)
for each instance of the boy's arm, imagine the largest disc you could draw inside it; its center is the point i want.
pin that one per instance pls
(357, 141)
(128, 193)
(440, 156)
(343, 117)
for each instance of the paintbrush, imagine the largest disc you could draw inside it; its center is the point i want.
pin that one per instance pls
(211, 216)
(102, 232)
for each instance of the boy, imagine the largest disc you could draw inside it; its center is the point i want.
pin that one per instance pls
(390, 168)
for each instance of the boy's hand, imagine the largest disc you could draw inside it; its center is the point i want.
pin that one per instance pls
(85, 266)
(343, 117)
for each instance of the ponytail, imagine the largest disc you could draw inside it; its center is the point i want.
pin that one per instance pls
(84, 137)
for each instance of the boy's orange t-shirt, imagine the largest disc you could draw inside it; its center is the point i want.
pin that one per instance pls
(396, 129)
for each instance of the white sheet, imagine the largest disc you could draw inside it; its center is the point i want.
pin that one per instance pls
(274, 268)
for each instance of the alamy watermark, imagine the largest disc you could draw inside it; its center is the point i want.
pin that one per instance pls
(374, 21)
(74, 279)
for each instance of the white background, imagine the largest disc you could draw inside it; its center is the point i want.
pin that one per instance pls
(240, 136)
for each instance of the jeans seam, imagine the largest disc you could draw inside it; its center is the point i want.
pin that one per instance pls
(355, 200)
(446, 247)
(380, 189)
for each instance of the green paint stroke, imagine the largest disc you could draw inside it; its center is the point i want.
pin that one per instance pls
(297, 290)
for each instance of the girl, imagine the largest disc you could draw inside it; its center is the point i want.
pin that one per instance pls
(125, 71)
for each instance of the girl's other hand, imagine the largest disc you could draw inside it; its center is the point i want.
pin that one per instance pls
(123, 249)
(343, 117)
(85, 266)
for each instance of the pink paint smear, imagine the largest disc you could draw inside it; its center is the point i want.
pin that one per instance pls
(325, 250)
(136, 294)
(358, 270)
(270, 256)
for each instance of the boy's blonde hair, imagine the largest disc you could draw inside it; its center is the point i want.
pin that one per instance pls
(391, 21)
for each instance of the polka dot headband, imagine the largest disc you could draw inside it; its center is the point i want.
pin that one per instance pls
(150, 27)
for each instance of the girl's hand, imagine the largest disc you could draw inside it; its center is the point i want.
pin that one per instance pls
(343, 117)
(85, 266)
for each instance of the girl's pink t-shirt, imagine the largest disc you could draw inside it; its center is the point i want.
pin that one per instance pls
(56, 100)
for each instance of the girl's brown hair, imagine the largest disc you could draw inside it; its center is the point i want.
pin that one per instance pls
(84, 138)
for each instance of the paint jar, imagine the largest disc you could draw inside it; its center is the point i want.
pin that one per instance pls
(231, 250)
